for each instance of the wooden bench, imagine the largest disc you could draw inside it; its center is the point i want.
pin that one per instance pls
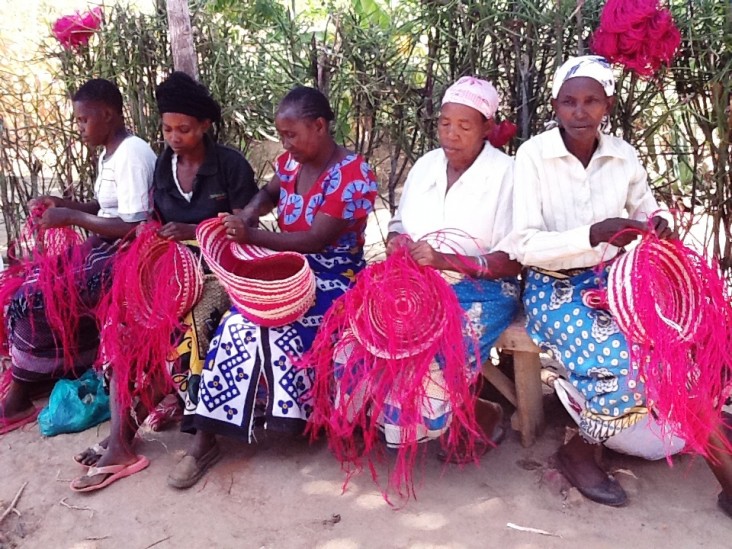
(525, 392)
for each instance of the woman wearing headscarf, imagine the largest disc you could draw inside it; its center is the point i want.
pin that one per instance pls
(584, 195)
(453, 216)
(195, 179)
(323, 194)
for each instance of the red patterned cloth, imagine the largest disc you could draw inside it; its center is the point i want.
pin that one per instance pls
(345, 191)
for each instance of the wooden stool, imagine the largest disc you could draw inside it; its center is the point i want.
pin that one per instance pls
(525, 393)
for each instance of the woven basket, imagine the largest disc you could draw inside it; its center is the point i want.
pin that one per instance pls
(658, 268)
(188, 278)
(269, 288)
(207, 312)
(403, 325)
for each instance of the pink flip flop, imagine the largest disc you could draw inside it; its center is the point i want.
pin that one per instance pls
(115, 473)
(11, 425)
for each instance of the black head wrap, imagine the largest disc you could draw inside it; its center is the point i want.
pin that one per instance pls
(181, 94)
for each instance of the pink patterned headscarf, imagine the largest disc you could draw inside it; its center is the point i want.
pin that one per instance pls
(474, 92)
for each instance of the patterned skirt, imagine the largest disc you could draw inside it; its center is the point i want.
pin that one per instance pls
(490, 306)
(34, 350)
(249, 377)
(603, 391)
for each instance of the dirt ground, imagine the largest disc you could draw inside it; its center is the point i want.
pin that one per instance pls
(285, 493)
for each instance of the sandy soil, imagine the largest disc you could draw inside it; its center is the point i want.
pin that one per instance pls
(287, 493)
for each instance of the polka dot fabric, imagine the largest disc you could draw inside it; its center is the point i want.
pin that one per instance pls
(589, 345)
(346, 191)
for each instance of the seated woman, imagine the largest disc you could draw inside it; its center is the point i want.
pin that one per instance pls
(579, 190)
(195, 179)
(121, 200)
(323, 194)
(464, 191)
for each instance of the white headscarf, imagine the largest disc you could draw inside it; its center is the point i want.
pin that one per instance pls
(474, 92)
(592, 66)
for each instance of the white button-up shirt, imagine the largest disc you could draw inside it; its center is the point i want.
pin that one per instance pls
(557, 199)
(478, 204)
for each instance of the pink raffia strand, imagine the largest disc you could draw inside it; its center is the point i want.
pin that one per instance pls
(155, 283)
(396, 319)
(73, 31)
(674, 308)
(637, 34)
(57, 256)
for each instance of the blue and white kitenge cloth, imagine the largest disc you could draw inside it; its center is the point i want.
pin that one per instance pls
(602, 392)
(490, 306)
(249, 376)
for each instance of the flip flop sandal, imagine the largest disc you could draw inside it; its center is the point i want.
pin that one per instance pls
(115, 472)
(190, 470)
(8, 425)
(608, 492)
(95, 452)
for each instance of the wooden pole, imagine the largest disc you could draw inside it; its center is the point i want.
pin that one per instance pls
(181, 37)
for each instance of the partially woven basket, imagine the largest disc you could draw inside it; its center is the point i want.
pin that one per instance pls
(403, 324)
(188, 280)
(267, 287)
(669, 277)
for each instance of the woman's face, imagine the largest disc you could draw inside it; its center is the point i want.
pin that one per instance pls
(94, 122)
(183, 133)
(303, 138)
(580, 107)
(461, 131)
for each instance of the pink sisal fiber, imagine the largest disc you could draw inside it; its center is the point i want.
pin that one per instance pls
(154, 283)
(396, 319)
(54, 256)
(674, 309)
(638, 34)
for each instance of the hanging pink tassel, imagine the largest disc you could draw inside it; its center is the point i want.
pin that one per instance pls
(392, 324)
(638, 34)
(54, 256)
(155, 282)
(674, 308)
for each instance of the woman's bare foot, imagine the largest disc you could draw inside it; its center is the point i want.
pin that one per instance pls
(17, 403)
(91, 455)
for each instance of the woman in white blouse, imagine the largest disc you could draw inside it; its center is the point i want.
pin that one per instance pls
(577, 189)
(462, 189)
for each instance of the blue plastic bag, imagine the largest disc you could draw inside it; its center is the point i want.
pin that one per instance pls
(75, 405)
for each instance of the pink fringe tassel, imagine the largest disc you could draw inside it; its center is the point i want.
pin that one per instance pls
(638, 34)
(680, 333)
(397, 318)
(155, 281)
(56, 255)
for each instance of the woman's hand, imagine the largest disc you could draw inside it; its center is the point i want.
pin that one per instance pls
(394, 241)
(236, 229)
(426, 255)
(617, 231)
(177, 231)
(250, 217)
(662, 228)
(55, 217)
(46, 201)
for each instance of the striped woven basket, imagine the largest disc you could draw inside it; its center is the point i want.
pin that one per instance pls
(188, 280)
(267, 287)
(659, 269)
